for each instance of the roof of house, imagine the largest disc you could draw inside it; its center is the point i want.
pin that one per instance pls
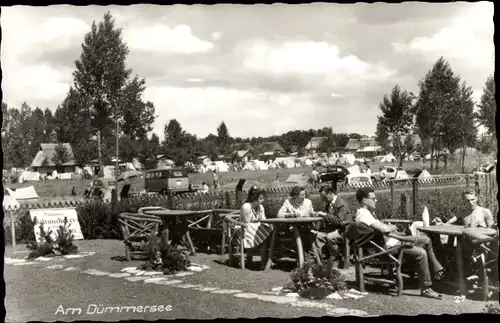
(315, 142)
(47, 152)
(369, 149)
(270, 146)
(352, 144)
(241, 153)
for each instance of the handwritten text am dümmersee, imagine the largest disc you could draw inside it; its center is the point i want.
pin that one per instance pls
(94, 309)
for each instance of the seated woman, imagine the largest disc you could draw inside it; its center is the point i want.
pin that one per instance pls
(256, 234)
(296, 206)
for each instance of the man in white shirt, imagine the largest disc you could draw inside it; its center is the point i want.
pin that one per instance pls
(421, 253)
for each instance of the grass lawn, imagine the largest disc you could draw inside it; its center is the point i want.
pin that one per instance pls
(264, 178)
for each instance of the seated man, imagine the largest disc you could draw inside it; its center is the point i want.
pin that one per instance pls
(421, 253)
(473, 215)
(336, 211)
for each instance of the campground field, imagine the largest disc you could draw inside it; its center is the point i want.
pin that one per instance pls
(61, 189)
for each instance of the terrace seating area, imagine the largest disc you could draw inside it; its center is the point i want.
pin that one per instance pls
(291, 238)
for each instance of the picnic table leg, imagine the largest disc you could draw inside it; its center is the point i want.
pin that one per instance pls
(460, 266)
(190, 242)
(347, 253)
(223, 242)
(271, 248)
(300, 249)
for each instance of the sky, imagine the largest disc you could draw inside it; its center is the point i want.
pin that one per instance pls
(262, 69)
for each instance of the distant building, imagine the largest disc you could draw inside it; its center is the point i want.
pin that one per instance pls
(271, 146)
(241, 156)
(44, 164)
(355, 144)
(315, 143)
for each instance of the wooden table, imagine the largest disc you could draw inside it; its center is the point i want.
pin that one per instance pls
(457, 231)
(295, 222)
(170, 218)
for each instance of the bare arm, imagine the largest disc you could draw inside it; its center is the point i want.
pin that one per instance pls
(246, 213)
(284, 211)
(452, 220)
(488, 218)
(384, 228)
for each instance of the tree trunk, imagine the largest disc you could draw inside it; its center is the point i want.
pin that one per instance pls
(463, 159)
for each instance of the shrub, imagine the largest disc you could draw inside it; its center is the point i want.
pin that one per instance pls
(316, 281)
(492, 308)
(170, 259)
(47, 246)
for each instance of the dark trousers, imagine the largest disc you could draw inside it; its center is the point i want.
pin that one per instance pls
(422, 255)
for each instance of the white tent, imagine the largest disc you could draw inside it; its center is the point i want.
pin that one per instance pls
(23, 193)
(424, 174)
(221, 166)
(389, 158)
(260, 165)
(308, 162)
(286, 162)
(347, 159)
(29, 176)
(10, 203)
(354, 169)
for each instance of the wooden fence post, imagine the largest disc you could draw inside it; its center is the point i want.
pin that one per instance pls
(467, 181)
(415, 197)
(393, 196)
(12, 228)
(171, 202)
(476, 185)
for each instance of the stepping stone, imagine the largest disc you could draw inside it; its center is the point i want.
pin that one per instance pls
(312, 304)
(73, 256)
(25, 263)
(205, 289)
(152, 273)
(87, 253)
(275, 299)
(136, 278)
(346, 311)
(128, 269)
(55, 267)
(354, 296)
(95, 272)
(195, 268)
(292, 295)
(187, 286)
(139, 273)
(227, 291)
(43, 259)
(334, 296)
(183, 274)
(71, 268)
(168, 282)
(20, 251)
(119, 275)
(246, 295)
(276, 289)
(355, 291)
(154, 280)
(13, 260)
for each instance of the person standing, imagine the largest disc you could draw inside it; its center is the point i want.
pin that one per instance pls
(216, 179)
(315, 177)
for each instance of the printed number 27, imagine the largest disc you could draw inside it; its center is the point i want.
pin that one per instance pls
(459, 299)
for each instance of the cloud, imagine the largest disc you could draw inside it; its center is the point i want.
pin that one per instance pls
(468, 37)
(161, 38)
(320, 61)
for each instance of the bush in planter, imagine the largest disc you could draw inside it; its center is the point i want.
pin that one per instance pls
(316, 281)
(62, 244)
(170, 259)
(492, 308)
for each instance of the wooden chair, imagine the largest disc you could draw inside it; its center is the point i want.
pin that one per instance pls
(212, 225)
(368, 251)
(137, 228)
(235, 235)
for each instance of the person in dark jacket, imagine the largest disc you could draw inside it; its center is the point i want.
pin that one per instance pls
(336, 212)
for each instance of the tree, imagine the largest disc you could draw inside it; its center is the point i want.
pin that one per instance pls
(223, 138)
(458, 129)
(148, 150)
(437, 98)
(38, 130)
(394, 127)
(61, 155)
(104, 92)
(488, 106)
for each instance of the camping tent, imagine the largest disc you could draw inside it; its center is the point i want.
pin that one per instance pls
(354, 169)
(221, 166)
(347, 159)
(29, 176)
(10, 203)
(389, 158)
(23, 193)
(285, 162)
